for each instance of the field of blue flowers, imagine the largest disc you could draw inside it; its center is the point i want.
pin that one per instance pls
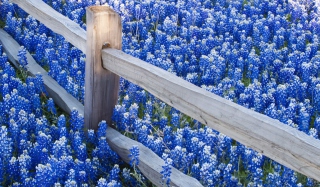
(261, 54)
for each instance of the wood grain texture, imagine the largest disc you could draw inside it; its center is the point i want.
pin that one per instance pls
(60, 96)
(103, 26)
(149, 163)
(268, 136)
(58, 23)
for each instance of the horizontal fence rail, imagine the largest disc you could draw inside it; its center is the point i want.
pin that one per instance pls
(276, 140)
(149, 163)
(57, 22)
(55, 91)
(268, 136)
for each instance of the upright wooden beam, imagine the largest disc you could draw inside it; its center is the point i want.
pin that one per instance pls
(101, 94)
(150, 164)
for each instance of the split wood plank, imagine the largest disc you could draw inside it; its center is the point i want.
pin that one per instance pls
(282, 143)
(60, 96)
(257, 131)
(57, 22)
(150, 164)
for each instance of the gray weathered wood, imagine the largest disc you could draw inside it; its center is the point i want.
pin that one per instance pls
(58, 23)
(60, 96)
(149, 163)
(150, 166)
(276, 140)
(103, 26)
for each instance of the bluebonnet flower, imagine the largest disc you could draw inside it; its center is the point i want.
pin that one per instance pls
(148, 108)
(113, 183)
(126, 101)
(195, 171)
(209, 174)
(175, 120)
(54, 70)
(2, 170)
(102, 130)
(24, 144)
(24, 165)
(227, 174)
(133, 112)
(5, 144)
(313, 133)
(169, 25)
(10, 23)
(61, 121)
(91, 137)
(310, 182)
(6, 7)
(76, 120)
(91, 170)
(22, 56)
(166, 170)
(71, 183)
(177, 155)
(59, 148)
(50, 106)
(104, 151)
(114, 173)
(81, 151)
(230, 27)
(125, 122)
(163, 122)
(134, 156)
(13, 169)
(102, 182)
(304, 118)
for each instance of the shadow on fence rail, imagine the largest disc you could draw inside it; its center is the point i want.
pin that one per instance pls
(276, 140)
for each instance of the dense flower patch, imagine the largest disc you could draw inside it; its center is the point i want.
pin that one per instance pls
(39, 147)
(261, 54)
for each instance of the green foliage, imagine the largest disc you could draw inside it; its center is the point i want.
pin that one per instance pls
(257, 50)
(288, 17)
(245, 81)
(2, 24)
(84, 18)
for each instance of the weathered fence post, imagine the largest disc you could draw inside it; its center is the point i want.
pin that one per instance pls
(103, 26)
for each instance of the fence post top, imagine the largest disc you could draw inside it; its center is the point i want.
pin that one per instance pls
(101, 9)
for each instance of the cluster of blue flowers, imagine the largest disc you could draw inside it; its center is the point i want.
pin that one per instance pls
(261, 54)
(40, 148)
(64, 63)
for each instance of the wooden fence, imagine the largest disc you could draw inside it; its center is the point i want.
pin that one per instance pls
(268, 136)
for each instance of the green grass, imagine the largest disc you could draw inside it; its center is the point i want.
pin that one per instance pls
(288, 17)
(313, 118)
(246, 81)
(257, 50)
(84, 19)
(2, 23)
(285, 44)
